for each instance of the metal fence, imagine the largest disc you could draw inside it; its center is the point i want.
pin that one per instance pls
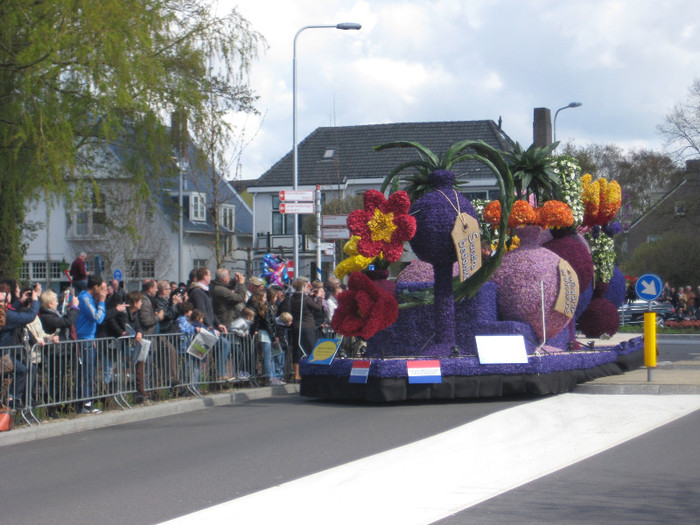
(62, 378)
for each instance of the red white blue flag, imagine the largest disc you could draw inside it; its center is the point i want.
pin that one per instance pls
(424, 371)
(359, 372)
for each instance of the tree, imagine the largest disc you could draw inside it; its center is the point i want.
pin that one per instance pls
(77, 72)
(644, 175)
(681, 127)
(674, 257)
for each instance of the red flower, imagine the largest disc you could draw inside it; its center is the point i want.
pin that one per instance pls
(383, 225)
(364, 309)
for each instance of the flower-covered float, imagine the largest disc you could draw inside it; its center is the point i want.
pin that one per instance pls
(427, 331)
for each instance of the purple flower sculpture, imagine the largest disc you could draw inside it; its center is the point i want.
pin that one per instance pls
(436, 213)
(601, 316)
(521, 277)
(573, 251)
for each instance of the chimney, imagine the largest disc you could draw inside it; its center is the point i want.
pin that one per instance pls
(542, 127)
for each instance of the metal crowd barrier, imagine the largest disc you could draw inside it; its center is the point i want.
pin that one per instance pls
(60, 378)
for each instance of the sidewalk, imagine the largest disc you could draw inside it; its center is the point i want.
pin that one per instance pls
(677, 378)
(60, 427)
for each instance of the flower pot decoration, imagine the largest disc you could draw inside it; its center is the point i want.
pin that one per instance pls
(601, 316)
(436, 213)
(522, 276)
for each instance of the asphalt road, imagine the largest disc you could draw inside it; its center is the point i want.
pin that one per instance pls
(155, 470)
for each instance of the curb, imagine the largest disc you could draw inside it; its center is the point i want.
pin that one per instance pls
(50, 429)
(637, 389)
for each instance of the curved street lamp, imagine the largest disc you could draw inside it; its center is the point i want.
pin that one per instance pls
(345, 26)
(554, 124)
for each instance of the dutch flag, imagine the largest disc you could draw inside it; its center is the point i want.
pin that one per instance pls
(359, 372)
(424, 371)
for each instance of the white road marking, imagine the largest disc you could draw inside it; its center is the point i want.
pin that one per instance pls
(428, 480)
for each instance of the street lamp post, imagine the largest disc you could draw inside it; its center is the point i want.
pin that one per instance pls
(295, 182)
(554, 124)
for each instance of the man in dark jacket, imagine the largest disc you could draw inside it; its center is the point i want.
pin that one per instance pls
(228, 298)
(200, 297)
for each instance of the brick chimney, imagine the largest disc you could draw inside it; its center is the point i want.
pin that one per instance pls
(542, 127)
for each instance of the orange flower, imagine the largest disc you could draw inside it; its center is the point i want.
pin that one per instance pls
(492, 213)
(555, 214)
(521, 214)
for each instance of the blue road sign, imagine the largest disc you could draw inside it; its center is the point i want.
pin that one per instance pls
(118, 275)
(649, 286)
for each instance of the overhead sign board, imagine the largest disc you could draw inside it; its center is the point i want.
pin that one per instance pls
(648, 287)
(297, 207)
(335, 233)
(296, 195)
(334, 220)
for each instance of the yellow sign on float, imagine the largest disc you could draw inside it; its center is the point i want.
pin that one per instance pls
(324, 351)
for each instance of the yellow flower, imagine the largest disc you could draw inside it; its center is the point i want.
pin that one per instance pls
(355, 262)
(381, 225)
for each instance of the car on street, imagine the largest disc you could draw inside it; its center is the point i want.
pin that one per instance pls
(632, 311)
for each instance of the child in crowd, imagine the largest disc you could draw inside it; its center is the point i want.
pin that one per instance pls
(240, 328)
(283, 322)
(190, 322)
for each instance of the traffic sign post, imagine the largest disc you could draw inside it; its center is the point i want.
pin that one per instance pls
(648, 288)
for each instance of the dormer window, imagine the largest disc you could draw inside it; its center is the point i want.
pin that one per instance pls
(328, 154)
(679, 209)
(198, 207)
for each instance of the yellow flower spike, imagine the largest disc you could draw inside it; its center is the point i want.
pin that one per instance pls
(352, 264)
(350, 247)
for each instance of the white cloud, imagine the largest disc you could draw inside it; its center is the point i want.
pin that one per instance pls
(628, 61)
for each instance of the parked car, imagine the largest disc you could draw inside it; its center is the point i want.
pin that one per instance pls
(632, 312)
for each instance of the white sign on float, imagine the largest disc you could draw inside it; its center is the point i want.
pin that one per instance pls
(501, 349)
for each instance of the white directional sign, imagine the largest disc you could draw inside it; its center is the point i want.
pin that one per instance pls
(648, 286)
(296, 207)
(334, 220)
(335, 233)
(296, 195)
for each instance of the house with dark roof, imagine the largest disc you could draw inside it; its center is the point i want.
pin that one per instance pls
(677, 211)
(342, 162)
(62, 230)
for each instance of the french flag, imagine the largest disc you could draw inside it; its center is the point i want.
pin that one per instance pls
(424, 371)
(359, 372)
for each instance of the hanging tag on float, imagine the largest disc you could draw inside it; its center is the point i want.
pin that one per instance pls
(567, 300)
(467, 239)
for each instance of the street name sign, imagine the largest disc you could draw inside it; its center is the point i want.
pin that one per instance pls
(296, 207)
(335, 233)
(334, 220)
(296, 195)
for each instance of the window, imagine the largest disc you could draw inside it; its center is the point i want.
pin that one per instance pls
(142, 269)
(198, 207)
(199, 263)
(474, 195)
(328, 154)
(88, 218)
(55, 272)
(227, 216)
(282, 224)
(24, 271)
(38, 270)
(679, 209)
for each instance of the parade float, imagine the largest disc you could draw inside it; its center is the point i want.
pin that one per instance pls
(454, 324)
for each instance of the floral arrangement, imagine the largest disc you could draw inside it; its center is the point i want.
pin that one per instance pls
(355, 262)
(570, 185)
(364, 308)
(603, 253)
(552, 214)
(601, 200)
(383, 225)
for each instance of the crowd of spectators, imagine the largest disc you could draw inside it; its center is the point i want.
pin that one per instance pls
(283, 321)
(685, 300)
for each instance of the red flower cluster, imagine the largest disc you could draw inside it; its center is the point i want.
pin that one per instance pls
(383, 225)
(364, 308)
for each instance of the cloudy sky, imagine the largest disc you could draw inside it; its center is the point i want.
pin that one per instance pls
(627, 61)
